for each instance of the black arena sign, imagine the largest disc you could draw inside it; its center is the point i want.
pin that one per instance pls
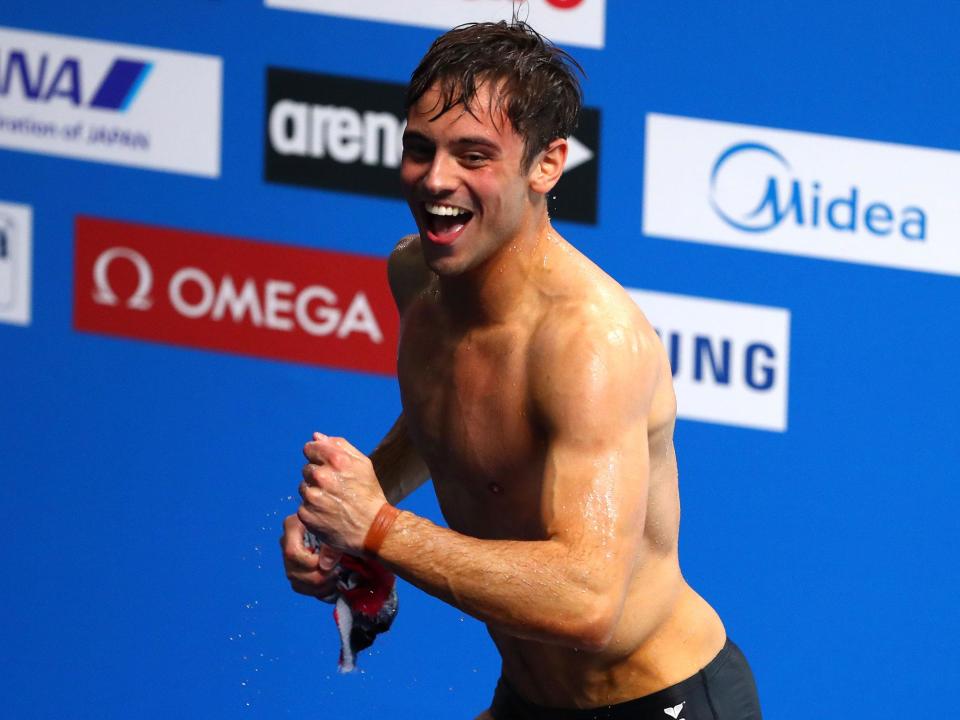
(339, 133)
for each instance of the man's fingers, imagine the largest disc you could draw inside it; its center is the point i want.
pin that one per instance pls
(313, 589)
(311, 495)
(313, 474)
(321, 447)
(314, 452)
(291, 524)
(344, 446)
(292, 537)
(294, 551)
(332, 451)
(328, 557)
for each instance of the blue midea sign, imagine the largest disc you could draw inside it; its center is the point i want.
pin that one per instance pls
(782, 199)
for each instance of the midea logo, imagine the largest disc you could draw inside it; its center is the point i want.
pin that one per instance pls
(754, 189)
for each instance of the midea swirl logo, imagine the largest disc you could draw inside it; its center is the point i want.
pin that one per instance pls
(754, 189)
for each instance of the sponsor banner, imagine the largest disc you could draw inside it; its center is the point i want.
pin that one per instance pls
(239, 296)
(16, 263)
(730, 361)
(574, 22)
(113, 103)
(802, 194)
(341, 133)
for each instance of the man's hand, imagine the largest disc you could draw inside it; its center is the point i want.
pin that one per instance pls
(309, 572)
(341, 493)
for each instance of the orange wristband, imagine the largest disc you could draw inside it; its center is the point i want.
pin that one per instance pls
(379, 528)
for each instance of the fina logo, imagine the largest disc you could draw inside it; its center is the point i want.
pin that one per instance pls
(43, 79)
(785, 199)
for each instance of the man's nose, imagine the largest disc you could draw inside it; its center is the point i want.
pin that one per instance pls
(439, 178)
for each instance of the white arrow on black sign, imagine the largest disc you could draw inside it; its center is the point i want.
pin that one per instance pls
(577, 154)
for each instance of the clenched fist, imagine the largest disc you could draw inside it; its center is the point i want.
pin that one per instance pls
(341, 493)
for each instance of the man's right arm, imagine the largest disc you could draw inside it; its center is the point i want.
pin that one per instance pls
(397, 463)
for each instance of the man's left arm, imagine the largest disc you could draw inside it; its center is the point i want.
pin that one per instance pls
(592, 389)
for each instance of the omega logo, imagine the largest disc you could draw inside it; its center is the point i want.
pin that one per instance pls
(104, 294)
(270, 303)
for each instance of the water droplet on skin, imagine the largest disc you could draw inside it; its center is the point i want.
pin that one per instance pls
(495, 488)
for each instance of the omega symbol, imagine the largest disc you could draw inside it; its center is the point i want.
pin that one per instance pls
(104, 294)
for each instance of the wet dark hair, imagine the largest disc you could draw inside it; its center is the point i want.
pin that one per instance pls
(536, 82)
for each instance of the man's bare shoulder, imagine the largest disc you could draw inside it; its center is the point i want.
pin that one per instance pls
(407, 272)
(585, 302)
(601, 322)
(592, 340)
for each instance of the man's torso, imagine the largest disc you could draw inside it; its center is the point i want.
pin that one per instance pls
(466, 391)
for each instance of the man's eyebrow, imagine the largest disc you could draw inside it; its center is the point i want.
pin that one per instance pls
(414, 135)
(477, 140)
(466, 140)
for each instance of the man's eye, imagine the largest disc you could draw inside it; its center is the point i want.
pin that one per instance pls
(415, 152)
(475, 158)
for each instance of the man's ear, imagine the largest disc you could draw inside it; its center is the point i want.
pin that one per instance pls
(548, 167)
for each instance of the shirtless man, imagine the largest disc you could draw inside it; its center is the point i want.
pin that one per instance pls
(539, 399)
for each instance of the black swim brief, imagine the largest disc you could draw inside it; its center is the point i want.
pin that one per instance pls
(723, 690)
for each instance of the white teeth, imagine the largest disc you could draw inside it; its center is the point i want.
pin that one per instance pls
(444, 209)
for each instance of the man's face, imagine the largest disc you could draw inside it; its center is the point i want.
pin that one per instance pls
(463, 181)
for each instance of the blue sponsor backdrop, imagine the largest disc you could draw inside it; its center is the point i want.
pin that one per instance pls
(143, 485)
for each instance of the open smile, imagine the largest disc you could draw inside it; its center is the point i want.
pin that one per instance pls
(445, 223)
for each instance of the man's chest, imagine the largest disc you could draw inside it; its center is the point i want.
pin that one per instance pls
(466, 400)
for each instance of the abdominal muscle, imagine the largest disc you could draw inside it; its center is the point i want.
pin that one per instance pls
(665, 634)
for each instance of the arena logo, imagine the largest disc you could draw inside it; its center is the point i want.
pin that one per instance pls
(575, 22)
(347, 134)
(341, 133)
(123, 104)
(784, 197)
(44, 78)
(16, 263)
(802, 194)
(234, 295)
(730, 361)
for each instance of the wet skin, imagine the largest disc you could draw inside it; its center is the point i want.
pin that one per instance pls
(540, 401)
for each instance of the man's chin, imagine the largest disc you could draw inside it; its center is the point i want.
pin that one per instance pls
(444, 266)
(442, 259)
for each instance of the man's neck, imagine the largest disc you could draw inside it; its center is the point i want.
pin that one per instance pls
(494, 290)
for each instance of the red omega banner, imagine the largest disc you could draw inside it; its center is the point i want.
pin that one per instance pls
(239, 296)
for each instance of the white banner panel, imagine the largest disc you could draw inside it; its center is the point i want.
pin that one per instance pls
(802, 194)
(122, 104)
(16, 263)
(573, 22)
(730, 361)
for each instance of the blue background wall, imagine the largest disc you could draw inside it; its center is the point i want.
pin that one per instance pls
(142, 486)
